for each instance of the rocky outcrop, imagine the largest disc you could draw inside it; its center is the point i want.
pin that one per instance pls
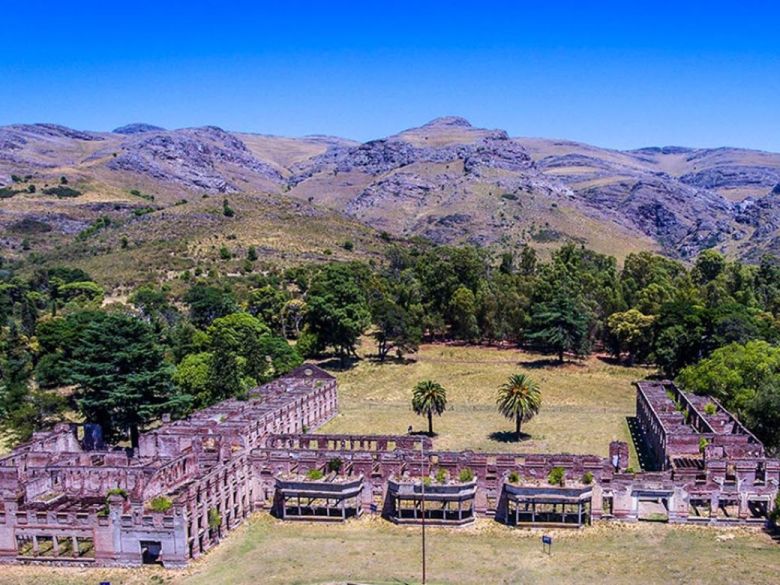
(137, 128)
(196, 157)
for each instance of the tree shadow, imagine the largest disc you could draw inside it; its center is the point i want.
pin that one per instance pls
(508, 437)
(335, 363)
(549, 363)
(401, 361)
(424, 434)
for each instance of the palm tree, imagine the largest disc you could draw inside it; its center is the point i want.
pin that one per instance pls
(429, 397)
(519, 399)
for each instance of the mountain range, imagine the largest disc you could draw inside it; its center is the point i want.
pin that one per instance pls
(446, 181)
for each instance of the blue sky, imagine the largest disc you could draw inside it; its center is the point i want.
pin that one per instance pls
(617, 74)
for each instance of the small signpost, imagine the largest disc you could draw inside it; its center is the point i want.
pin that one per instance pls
(547, 544)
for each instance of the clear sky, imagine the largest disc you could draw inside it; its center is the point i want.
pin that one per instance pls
(617, 74)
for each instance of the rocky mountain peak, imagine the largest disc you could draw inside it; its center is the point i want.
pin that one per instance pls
(137, 128)
(448, 121)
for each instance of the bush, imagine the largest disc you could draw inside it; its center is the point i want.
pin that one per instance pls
(775, 514)
(441, 475)
(227, 211)
(426, 481)
(251, 254)
(224, 253)
(348, 245)
(116, 492)
(62, 191)
(334, 465)
(308, 345)
(160, 504)
(557, 476)
(703, 442)
(314, 474)
(710, 408)
(63, 180)
(466, 475)
(587, 478)
(513, 477)
(31, 189)
(215, 518)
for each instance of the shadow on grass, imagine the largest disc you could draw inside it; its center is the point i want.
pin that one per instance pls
(509, 437)
(424, 434)
(402, 361)
(549, 363)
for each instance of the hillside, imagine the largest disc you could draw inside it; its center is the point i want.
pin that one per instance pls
(298, 198)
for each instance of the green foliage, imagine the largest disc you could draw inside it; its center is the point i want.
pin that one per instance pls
(557, 476)
(513, 477)
(225, 253)
(519, 399)
(632, 332)
(335, 465)
(338, 311)
(96, 226)
(251, 254)
(116, 492)
(193, 377)
(227, 211)
(746, 379)
(429, 398)
(441, 475)
(466, 475)
(587, 478)
(703, 442)
(710, 409)
(122, 379)
(208, 303)
(160, 504)
(62, 192)
(214, 518)
(315, 474)
(348, 245)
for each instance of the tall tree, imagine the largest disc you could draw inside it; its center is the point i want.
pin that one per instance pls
(519, 399)
(123, 382)
(429, 398)
(560, 325)
(338, 311)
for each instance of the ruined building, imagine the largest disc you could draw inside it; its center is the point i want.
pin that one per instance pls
(68, 499)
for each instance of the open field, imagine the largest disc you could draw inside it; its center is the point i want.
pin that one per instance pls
(584, 404)
(267, 552)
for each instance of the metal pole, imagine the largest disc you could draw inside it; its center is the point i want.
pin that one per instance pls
(422, 502)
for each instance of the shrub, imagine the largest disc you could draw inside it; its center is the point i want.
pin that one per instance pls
(557, 476)
(466, 475)
(116, 492)
(137, 193)
(587, 478)
(703, 442)
(62, 191)
(7, 192)
(385, 236)
(775, 514)
(251, 254)
(334, 465)
(31, 189)
(426, 481)
(441, 475)
(16, 178)
(227, 211)
(514, 477)
(160, 504)
(139, 211)
(224, 253)
(124, 242)
(97, 225)
(314, 474)
(348, 245)
(215, 518)
(63, 180)
(710, 408)
(629, 469)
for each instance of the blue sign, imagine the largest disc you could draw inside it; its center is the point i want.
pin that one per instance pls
(547, 540)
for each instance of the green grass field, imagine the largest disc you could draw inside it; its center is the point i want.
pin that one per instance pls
(584, 404)
(268, 552)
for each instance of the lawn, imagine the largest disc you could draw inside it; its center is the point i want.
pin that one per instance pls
(267, 552)
(584, 403)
